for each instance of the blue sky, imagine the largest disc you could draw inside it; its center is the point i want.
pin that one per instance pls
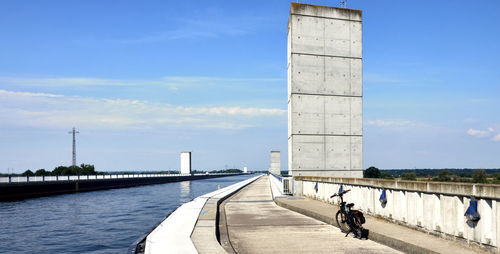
(145, 80)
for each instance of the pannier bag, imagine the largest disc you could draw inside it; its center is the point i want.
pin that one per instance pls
(360, 216)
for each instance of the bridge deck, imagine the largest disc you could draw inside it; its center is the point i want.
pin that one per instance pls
(255, 224)
(391, 234)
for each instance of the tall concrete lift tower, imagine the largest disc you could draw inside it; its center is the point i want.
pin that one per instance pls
(325, 124)
(74, 132)
(185, 162)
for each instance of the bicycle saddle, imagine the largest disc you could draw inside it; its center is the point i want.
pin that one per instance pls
(350, 205)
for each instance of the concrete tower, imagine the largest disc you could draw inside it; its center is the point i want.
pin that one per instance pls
(275, 167)
(185, 162)
(325, 126)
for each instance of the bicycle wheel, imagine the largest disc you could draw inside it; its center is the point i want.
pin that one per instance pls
(357, 227)
(342, 221)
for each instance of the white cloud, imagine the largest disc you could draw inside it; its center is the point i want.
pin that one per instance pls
(480, 133)
(497, 137)
(471, 120)
(171, 82)
(194, 29)
(383, 79)
(385, 123)
(53, 111)
(27, 94)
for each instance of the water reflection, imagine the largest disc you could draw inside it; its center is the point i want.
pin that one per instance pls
(185, 191)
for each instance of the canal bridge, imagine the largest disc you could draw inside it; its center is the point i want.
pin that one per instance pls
(254, 216)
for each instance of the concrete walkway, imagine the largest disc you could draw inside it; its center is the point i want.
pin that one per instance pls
(255, 224)
(397, 236)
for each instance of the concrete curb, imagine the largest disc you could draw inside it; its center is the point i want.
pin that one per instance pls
(205, 235)
(173, 235)
(374, 236)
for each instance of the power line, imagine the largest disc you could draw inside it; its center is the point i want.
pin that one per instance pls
(74, 132)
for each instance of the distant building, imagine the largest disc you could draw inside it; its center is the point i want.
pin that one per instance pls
(275, 167)
(185, 162)
(245, 170)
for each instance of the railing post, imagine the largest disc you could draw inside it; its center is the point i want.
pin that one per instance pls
(43, 178)
(27, 179)
(57, 177)
(10, 179)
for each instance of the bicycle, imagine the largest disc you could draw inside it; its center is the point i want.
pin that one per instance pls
(349, 220)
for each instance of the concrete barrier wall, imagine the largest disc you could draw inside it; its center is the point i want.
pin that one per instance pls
(435, 207)
(30, 189)
(276, 185)
(173, 235)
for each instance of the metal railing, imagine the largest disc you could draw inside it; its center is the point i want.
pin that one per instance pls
(286, 184)
(28, 179)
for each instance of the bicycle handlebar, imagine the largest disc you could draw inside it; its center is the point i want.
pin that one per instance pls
(338, 194)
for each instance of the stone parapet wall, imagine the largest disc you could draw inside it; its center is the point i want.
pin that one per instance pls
(491, 191)
(434, 207)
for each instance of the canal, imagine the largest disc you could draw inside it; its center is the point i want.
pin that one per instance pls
(106, 221)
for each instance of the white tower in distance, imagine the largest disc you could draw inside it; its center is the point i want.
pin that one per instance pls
(185, 162)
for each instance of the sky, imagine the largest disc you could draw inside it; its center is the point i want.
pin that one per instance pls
(144, 80)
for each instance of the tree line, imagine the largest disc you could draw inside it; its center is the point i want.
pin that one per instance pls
(441, 175)
(83, 169)
(88, 169)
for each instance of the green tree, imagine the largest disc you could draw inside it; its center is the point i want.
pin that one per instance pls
(443, 176)
(496, 179)
(28, 173)
(412, 176)
(41, 172)
(386, 175)
(479, 176)
(372, 172)
(83, 169)
(86, 169)
(60, 170)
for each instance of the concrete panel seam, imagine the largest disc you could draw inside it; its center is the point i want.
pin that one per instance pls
(330, 135)
(327, 55)
(330, 95)
(323, 17)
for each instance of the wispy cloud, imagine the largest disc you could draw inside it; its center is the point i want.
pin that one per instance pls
(497, 137)
(27, 94)
(471, 120)
(52, 111)
(409, 126)
(172, 82)
(383, 79)
(390, 123)
(480, 133)
(193, 29)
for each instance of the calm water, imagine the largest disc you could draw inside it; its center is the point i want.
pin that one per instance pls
(106, 221)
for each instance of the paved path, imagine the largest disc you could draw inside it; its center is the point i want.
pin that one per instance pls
(255, 224)
(391, 234)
